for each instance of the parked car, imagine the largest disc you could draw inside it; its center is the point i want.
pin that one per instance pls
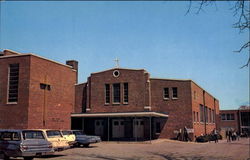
(69, 136)
(85, 140)
(24, 143)
(56, 139)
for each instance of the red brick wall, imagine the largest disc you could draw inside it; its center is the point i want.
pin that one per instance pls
(136, 80)
(14, 116)
(210, 102)
(80, 97)
(56, 104)
(231, 123)
(179, 110)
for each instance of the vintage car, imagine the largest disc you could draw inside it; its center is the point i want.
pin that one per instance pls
(85, 140)
(56, 139)
(69, 136)
(24, 143)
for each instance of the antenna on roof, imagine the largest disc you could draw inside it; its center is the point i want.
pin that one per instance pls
(117, 63)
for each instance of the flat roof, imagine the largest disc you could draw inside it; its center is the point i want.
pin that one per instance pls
(120, 114)
(31, 54)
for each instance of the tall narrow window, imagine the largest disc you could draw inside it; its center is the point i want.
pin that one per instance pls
(201, 113)
(107, 93)
(13, 83)
(206, 114)
(125, 93)
(116, 93)
(194, 120)
(197, 116)
(165, 93)
(175, 92)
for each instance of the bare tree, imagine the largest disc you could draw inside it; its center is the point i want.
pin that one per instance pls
(240, 10)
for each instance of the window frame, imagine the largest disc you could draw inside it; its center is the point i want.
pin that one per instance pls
(113, 95)
(125, 94)
(9, 84)
(164, 93)
(174, 97)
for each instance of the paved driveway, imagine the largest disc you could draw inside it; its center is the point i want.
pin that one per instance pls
(158, 150)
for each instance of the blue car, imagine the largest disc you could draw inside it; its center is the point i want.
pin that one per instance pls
(85, 140)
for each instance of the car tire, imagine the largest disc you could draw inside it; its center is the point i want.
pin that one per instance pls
(3, 156)
(86, 145)
(28, 158)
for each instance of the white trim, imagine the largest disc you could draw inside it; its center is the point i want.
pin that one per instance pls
(137, 114)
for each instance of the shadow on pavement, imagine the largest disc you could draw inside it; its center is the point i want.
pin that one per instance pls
(181, 157)
(52, 156)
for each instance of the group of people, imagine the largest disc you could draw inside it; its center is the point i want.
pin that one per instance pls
(183, 135)
(232, 135)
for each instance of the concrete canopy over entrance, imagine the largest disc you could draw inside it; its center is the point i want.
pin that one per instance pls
(135, 126)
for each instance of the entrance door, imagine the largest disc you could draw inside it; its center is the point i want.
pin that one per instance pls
(118, 128)
(99, 126)
(138, 128)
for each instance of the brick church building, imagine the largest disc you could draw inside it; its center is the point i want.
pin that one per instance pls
(127, 104)
(35, 92)
(116, 104)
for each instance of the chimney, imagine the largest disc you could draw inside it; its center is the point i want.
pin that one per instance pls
(74, 65)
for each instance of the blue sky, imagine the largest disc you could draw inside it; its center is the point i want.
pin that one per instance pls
(156, 36)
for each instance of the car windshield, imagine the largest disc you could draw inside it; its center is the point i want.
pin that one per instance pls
(78, 132)
(67, 132)
(33, 135)
(53, 134)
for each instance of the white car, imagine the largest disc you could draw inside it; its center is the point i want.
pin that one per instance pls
(56, 139)
(85, 140)
(69, 136)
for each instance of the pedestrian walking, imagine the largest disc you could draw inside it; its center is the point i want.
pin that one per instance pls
(215, 134)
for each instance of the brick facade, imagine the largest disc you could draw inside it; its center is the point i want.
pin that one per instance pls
(146, 94)
(37, 107)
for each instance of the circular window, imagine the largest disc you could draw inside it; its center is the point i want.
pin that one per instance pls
(116, 73)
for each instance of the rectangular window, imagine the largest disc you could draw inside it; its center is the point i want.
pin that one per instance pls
(210, 116)
(227, 117)
(125, 93)
(206, 114)
(175, 92)
(201, 113)
(197, 116)
(107, 93)
(223, 116)
(116, 93)
(165, 93)
(13, 83)
(194, 120)
(195, 95)
(45, 86)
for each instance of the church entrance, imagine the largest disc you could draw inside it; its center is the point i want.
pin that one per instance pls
(118, 128)
(138, 128)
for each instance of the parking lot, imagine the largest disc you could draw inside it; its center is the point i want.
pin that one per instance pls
(158, 150)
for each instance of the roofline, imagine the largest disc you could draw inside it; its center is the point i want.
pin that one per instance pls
(80, 83)
(121, 114)
(171, 79)
(117, 69)
(185, 80)
(31, 54)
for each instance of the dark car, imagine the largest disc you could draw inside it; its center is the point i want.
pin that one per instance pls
(24, 143)
(85, 140)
